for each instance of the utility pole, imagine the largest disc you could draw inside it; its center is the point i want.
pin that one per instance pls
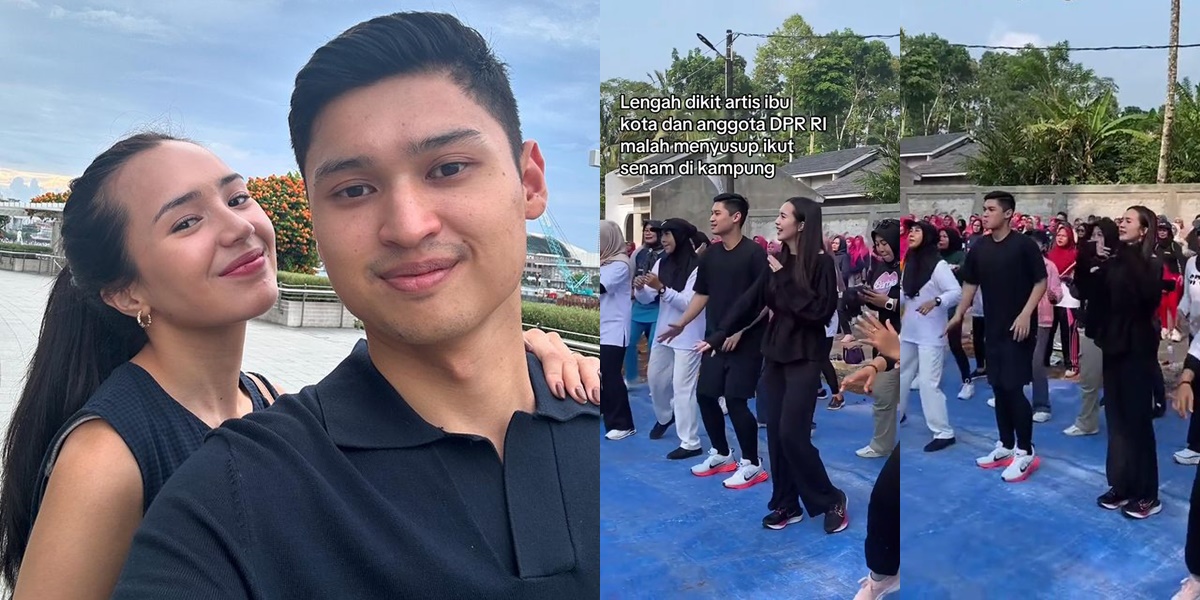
(728, 93)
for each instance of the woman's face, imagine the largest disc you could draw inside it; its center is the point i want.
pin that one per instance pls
(203, 248)
(786, 225)
(943, 240)
(1061, 239)
(1163, 233)
(1130, 227)
(668, 241)
(915, 237)
(836, 244)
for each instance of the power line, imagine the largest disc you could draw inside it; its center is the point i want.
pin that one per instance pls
(970, 46)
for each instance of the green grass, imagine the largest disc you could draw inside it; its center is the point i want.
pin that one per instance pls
(8, 247)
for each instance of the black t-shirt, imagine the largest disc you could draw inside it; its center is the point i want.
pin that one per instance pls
(723, 276)
(1005, 272)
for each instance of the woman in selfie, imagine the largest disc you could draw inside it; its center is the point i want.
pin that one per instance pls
(800, 288)
(140, 353)
(1126, 279)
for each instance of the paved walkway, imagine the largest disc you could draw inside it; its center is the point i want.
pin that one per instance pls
(291, 357)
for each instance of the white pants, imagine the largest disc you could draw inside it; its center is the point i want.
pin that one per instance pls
(672, 377)
(928, 361)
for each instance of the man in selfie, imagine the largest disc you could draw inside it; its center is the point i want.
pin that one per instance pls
(433, 462)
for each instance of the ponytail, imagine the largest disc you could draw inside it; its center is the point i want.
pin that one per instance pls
(78, 347)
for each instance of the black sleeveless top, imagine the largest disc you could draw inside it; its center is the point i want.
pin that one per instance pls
(159, 431)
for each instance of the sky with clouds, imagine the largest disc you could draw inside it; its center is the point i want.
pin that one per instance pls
(80, 75)
(633, 47)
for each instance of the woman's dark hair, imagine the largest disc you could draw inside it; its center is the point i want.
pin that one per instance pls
(811, 244)
(1042, 238)
(1108, 230)
(81, 341)
(954, 241)
(1149, 221)
(402, 44)
(920, 261)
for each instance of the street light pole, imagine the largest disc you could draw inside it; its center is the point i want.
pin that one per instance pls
(728, 56)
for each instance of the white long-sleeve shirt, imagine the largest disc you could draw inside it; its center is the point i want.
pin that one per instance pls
(616, 304)
(672, 305)
(1189, 303)
(930, 329)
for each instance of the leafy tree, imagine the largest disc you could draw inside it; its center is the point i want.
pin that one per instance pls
(283, 198)
(51, 198)
(883, 185)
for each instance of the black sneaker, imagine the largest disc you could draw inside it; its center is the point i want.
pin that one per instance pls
(903, 418)
(660, 429)
(939, 444)
(1111, 501)
(822, 393)
(977, 374)
(778, 519)
(836, 518)
(1160, 409)
(1142, 509)
(682, 453)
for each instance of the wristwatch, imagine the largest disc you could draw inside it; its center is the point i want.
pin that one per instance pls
(937, 301)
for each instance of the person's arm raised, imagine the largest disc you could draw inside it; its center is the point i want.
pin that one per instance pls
(87, 519)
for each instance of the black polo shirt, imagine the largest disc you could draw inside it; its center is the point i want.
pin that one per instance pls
(343, 491)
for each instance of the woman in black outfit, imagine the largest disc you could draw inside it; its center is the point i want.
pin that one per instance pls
(1126, 279)
(950, 245)
(800, 288)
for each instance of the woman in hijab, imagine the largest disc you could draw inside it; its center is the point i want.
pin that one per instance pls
(1063, 254)
(675, 364)
(616, 303)
(950, 246)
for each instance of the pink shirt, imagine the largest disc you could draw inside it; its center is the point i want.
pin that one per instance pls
(1051, 297)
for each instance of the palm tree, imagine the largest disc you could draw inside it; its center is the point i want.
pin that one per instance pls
(1169, 109)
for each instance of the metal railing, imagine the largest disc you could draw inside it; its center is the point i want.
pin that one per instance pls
(570, 338)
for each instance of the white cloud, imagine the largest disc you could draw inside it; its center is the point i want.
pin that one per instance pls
(119, 22)
(21, 3)
(1015, 39)
(580, 28)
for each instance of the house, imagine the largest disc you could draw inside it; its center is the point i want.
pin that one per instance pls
(816, 170)
(939, 159)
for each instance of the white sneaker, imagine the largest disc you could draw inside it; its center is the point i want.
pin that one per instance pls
(724, 409)
(968, 390)
(1187, 457)
(1076, 431)
(1022, 466)
(619, 434)
(1189, 589)
(715, 463)
(874, 590)
(998, 457)
(748, 474)
(992, 402)
(868, 452)
(1176, 336)
(1041, 416)
(1163, 333)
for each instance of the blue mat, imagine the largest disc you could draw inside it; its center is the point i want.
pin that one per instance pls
(668, 534)
(967, 534)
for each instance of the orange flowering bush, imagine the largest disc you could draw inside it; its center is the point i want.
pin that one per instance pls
(282, 197)
(51, 198)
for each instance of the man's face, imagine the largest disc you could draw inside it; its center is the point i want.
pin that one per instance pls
(418, 208)
(720, 220)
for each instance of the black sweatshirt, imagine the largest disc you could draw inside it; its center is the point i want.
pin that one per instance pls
(800, 313)
(1130, 288)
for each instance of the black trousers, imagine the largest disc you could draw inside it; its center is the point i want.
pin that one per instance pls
(1191, 549)
(954, 337)
(980, 342)
(1010, 368)
(830, 375)
(1132, 464)
(882, 546)
(797, 472)
(1062, 324)
(745, 426)
(614, 396)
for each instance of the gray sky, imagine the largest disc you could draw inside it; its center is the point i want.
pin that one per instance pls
(77, 76)
(637, 36)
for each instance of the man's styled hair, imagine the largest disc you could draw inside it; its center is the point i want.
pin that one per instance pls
(405, 43)
(735, 203)
(1004, 199)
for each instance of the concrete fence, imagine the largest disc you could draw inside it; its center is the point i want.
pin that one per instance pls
(1174, 199)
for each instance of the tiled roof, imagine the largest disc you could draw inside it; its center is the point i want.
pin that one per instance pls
(826, 162)
(926, 144)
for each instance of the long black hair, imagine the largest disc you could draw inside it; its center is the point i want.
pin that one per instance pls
(919, 262)
(1149, 221)
(81, 341)
(810, 245)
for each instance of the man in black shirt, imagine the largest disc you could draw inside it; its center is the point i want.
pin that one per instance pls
(432, 463)
(1010, 273)
(726, 271)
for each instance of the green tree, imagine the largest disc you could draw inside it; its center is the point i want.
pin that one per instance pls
(883, 183)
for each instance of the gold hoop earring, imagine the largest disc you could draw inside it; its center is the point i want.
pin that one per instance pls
(139, 320)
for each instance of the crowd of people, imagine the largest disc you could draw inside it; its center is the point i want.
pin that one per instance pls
(727, 321)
